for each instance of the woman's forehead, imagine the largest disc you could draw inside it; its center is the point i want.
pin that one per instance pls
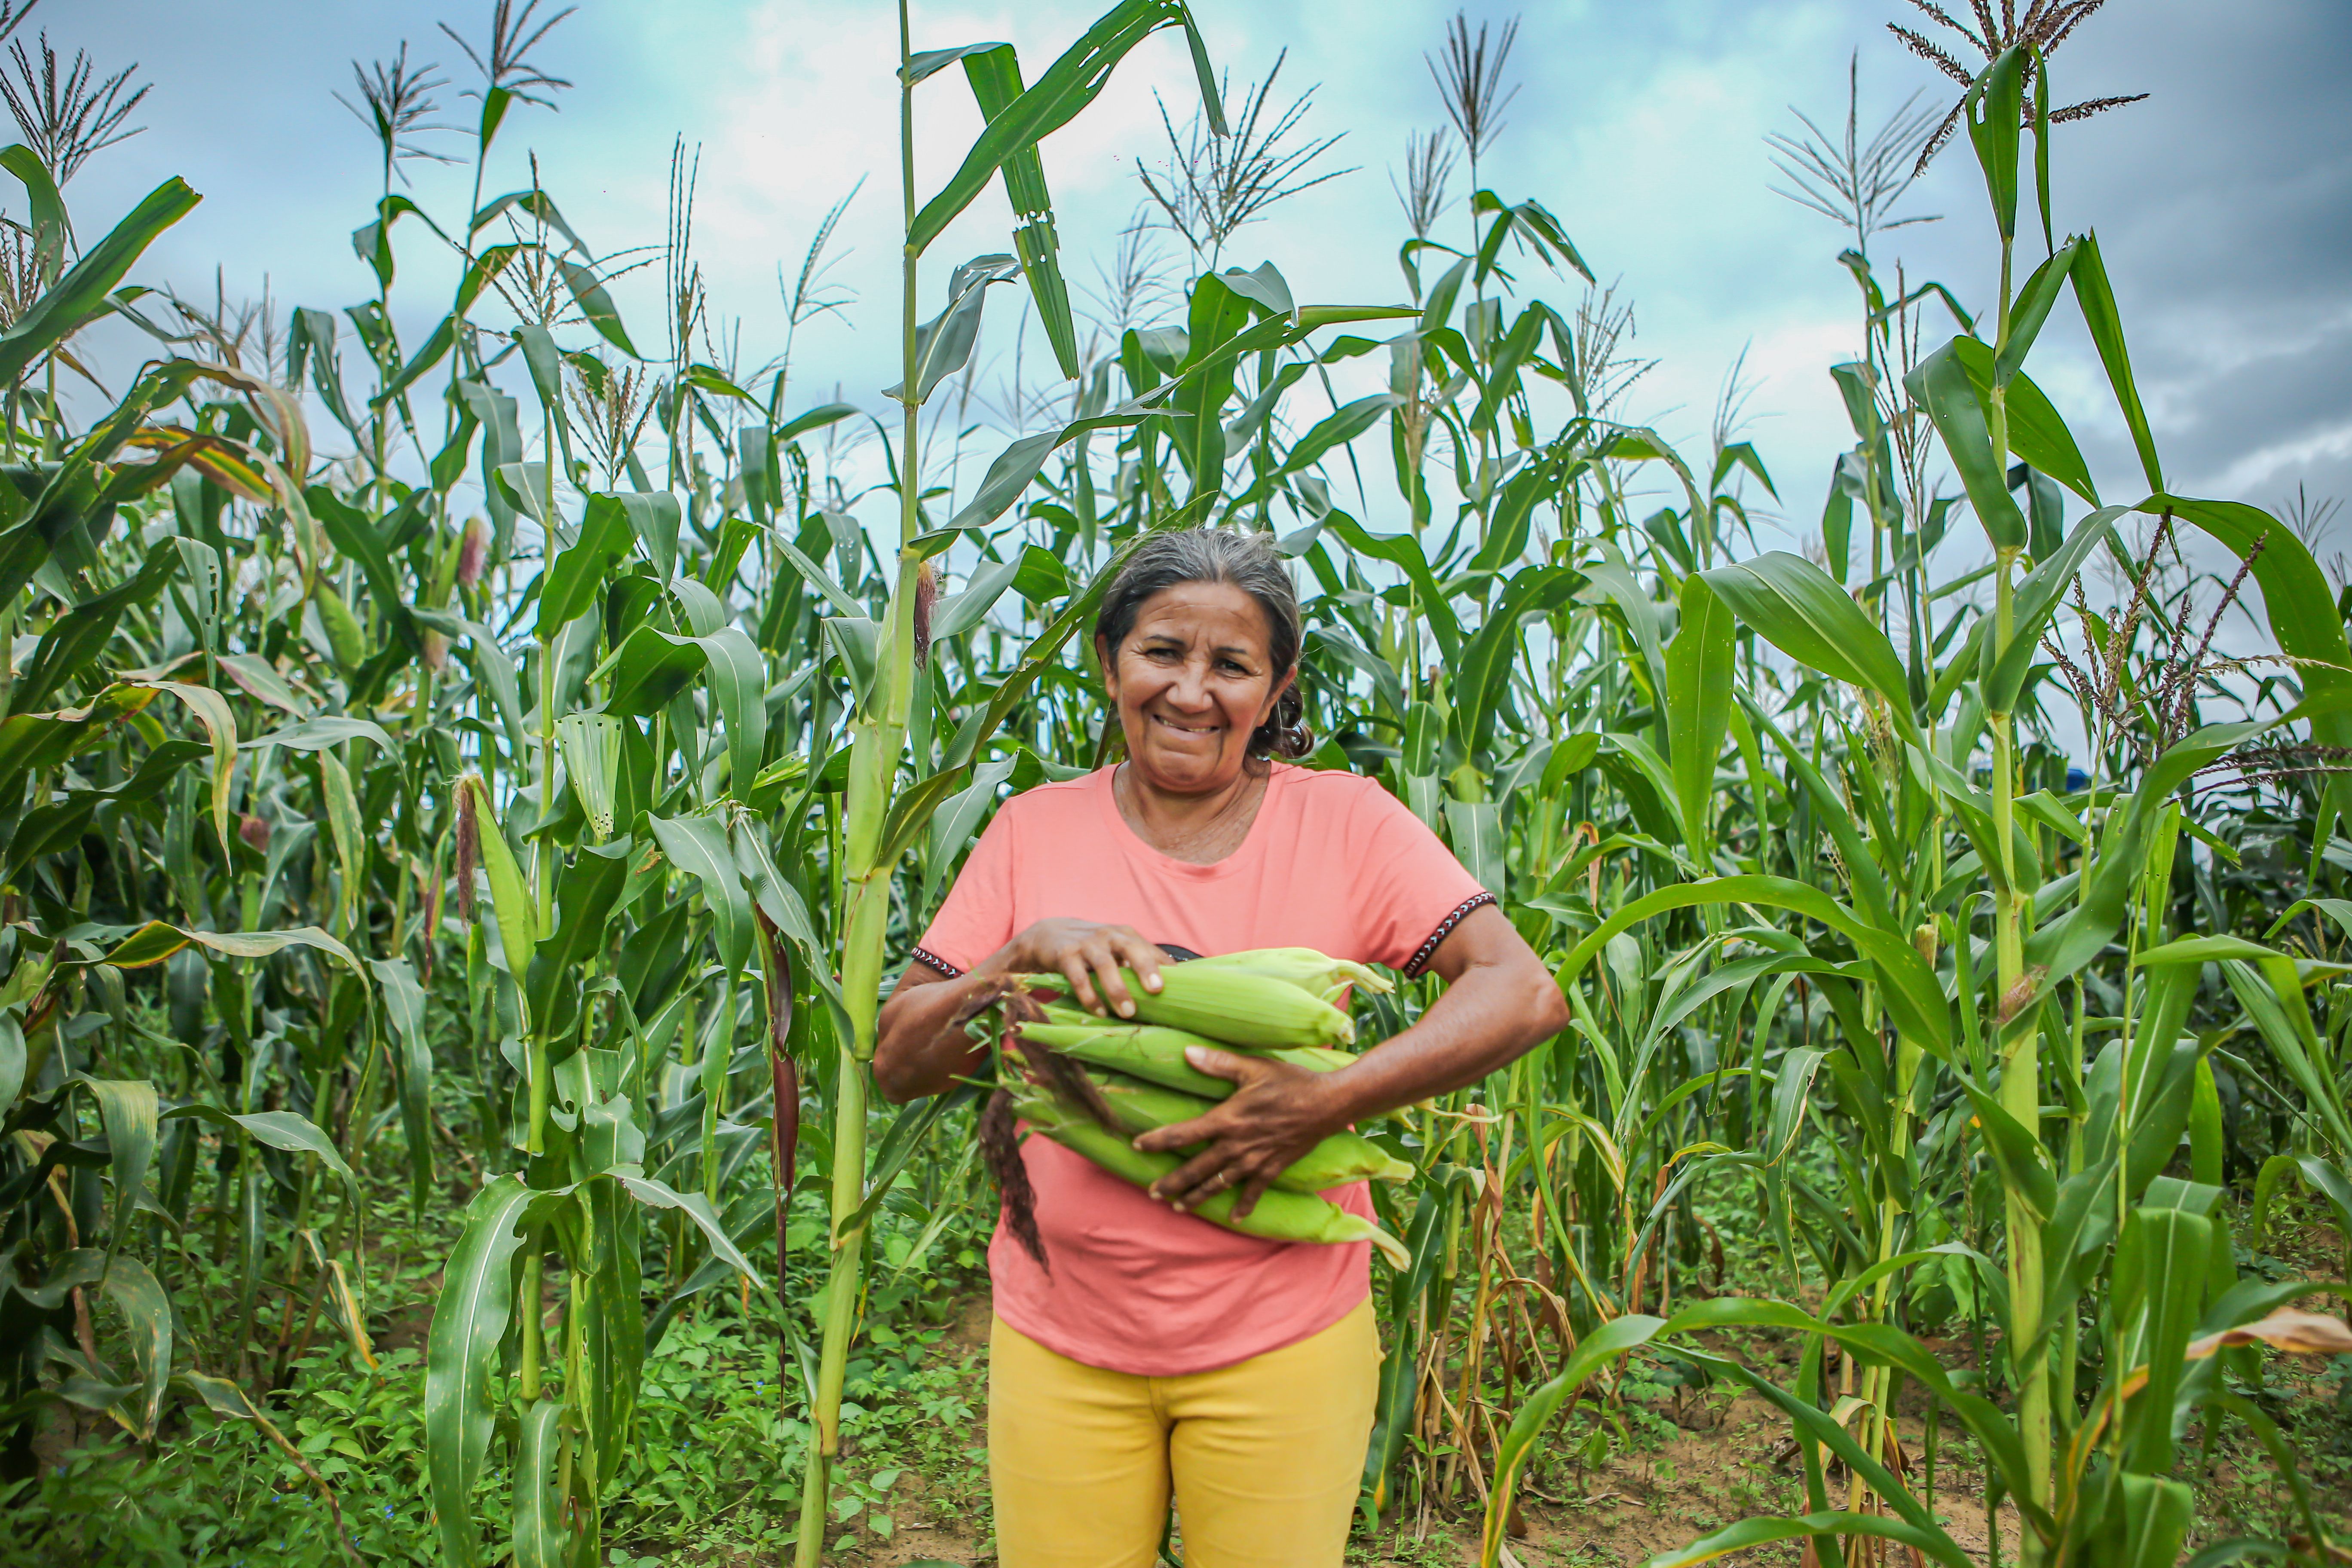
(1196, 609)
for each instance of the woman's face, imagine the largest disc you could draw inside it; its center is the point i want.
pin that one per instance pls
(1190, 683)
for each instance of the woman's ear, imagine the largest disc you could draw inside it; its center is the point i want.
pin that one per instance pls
(1104, 662)
(1274, 696)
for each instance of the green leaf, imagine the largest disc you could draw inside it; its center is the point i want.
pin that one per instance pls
(76, 637)
(1596, 1349)
(1534, 228)
(1831, 809)
(596, 307)
(698, 1209)
(926, 63)
(51, 227)
(818, 577)
(325, 730)
(648, 671)
(1766, 1530)
(586, 891)
(994, 74)
(461, 1356)
(1404, 551)
(541, 1539)
(2156, 1512)
(2160, 1270)
(1474, 828)
(1068, 85)
(1913, 996)
(2037, 434)
(2064, 944)
(212, 710)
(287, 1130)
(606, 534)
(698, 845)
(147, 1314)
(126, 1110)
(82, 292)
(1485, 667)
(1994, 111)
(2035, 601)
(1940, 384)
(959, 612)
(404, 1007)
(1792, 604)
(2097, 298)
(2032, 308)
(814, 419)
(1699, 684)
(944, 344)
(739, 679)
(509, 894)
(157, 941)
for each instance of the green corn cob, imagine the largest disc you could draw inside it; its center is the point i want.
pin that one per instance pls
(1341, 1158)
(1231, 1004)
(342, 627)
(1305, 968)
(1156, 1053)
(1278, 1215)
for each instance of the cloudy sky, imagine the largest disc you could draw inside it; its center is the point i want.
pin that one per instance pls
(2223, 203)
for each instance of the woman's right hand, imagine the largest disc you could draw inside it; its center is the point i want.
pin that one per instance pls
(1086, 954)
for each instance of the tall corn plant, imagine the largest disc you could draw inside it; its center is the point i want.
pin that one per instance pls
(2092, 1224)
(879, 822)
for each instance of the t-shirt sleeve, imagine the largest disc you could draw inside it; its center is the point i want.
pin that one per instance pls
(1414, 892)
(976, 917)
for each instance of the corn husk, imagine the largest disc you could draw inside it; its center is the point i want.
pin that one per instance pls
(1308, 970)
(1155, 1052)
(1338, 1160)
(1279, 1215)
(1232, 1006)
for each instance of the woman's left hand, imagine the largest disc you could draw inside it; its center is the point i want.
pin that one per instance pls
(1276, 1114)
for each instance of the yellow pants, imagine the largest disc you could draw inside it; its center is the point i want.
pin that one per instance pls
(1265, 1457)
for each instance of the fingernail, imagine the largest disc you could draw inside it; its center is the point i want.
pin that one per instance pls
(1126, 1009)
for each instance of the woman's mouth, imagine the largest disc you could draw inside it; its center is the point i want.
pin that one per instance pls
(1186, 729)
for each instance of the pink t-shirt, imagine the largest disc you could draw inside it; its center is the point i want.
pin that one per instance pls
(1332, 862)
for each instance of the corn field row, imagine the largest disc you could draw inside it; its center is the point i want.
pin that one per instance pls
(504, 769)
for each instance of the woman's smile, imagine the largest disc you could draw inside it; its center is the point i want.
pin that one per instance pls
(1184, 729)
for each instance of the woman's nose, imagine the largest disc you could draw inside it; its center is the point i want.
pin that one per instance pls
(1190, 689)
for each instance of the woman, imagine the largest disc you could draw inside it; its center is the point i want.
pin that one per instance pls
(1152, 1349)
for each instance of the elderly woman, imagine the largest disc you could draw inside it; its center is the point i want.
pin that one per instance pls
(1154, 1349)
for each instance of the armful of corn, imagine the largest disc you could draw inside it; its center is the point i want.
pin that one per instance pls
(1279, 1214)
(1091, 1084)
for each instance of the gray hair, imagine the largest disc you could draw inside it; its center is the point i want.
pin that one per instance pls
(1247, 561)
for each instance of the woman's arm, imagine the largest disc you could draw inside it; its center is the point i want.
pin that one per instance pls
(1499, 1002)
(919, 1048)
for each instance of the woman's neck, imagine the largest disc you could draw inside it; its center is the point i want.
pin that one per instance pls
(1200, 829)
